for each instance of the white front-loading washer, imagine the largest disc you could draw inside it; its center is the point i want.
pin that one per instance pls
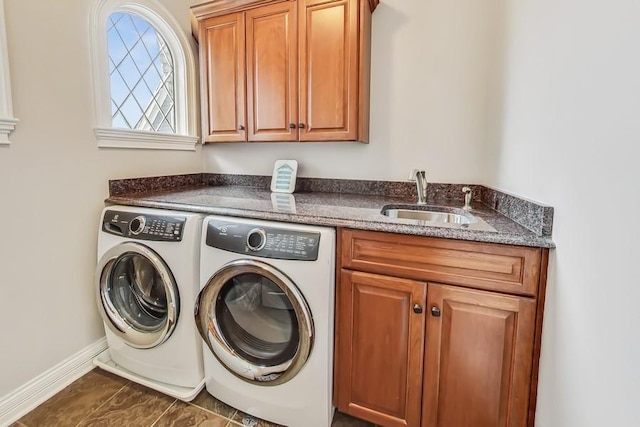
(266, 314)
(147, 281)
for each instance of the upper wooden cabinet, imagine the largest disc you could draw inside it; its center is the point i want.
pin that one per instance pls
(284, 70)
(222, 78)
(272, 77)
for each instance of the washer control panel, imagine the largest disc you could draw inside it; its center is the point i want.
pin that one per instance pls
(266, 242)
(144, 227)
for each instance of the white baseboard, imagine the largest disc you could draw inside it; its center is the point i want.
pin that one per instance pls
(28, 396)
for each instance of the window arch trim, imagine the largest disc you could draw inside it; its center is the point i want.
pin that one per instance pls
(183, 50)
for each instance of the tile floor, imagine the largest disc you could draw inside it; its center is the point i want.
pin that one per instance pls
(102, 399)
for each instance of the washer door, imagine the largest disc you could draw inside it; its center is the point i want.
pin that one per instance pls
(256, 322)
(137, 295)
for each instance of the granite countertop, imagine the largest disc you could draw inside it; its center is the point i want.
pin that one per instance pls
(335, 209)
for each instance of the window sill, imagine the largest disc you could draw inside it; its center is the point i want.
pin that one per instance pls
(7, 125)
(125, 138)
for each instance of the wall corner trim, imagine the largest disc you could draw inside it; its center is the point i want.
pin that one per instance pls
(28, 396)
(7, 125)
(7, 121)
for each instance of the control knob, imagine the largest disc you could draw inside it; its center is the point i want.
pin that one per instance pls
(256, 239)
(137, 225)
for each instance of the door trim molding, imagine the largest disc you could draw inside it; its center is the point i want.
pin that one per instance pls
(36, 391)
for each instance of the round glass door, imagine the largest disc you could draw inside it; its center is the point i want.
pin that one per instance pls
(137, 295)
(256, 322)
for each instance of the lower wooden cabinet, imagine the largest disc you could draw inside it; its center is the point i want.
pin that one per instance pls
(380, 336)
(421, 353)
(478, 358)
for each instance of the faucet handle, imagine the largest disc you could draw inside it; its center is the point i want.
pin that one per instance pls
(467, 198)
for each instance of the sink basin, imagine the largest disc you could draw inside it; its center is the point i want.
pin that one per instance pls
(429, 216)
(439, 216)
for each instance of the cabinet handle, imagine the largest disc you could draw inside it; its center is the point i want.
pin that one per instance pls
(241, 127)
(417, 308)
(301, 125)
(292, 125)
(435, 311)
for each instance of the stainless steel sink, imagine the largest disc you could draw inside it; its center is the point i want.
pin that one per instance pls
(430, 215)
(436, 216)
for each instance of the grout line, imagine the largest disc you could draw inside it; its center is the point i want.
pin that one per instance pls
(233, 416)
(215, 413)
(103, 403)
(232, 423)
(165, 412)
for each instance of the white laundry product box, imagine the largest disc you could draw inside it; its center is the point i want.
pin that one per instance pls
(283, 179)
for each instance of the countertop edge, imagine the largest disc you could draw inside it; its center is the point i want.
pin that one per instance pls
(534, 216)
(531, 240)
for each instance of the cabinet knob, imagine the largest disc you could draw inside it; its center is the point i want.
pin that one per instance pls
(241, 127)
(435, 311)
(417, 308)
(292, 125)
(301, 125)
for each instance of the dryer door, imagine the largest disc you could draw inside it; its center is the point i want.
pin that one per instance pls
(256, 322)
(137, 295)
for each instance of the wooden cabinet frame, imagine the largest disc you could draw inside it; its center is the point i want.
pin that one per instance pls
(308, 82)
(488, 299)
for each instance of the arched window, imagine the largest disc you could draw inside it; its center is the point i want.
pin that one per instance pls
(144, 77)
(141, 75)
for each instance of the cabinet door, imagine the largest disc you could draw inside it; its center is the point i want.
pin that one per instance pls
(478, 358)
(379, 344)
(272, 76)
(328, 50)
(222, 63)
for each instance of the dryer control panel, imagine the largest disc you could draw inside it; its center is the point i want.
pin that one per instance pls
(266, 242)
(144, 226)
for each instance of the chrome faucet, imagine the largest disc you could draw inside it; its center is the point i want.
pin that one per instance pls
(421, 185)
(467, 198)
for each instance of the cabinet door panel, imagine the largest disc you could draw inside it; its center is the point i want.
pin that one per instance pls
(328, 70)
(272, 77)
(478, 358)
(222, 62)
(380, 344)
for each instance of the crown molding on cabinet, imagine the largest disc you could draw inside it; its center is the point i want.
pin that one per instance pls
(222, 7)
(209, 9)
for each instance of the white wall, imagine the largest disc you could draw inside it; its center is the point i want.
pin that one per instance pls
(431, 62)
(570, 136)
(546, 94)
(53, 180)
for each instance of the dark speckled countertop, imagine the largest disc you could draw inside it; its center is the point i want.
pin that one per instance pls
(516, 221)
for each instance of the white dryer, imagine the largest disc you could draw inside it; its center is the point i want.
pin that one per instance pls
(266, 314)
(146, 286)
